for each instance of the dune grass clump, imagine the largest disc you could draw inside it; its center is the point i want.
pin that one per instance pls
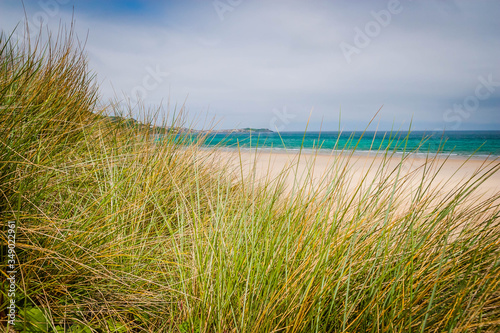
(120, 232)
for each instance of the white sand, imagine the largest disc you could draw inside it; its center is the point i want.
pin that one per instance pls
(454, 170)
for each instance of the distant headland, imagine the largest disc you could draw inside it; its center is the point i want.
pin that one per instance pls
(133, 123)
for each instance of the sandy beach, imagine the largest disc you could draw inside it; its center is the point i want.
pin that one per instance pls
(443, 174)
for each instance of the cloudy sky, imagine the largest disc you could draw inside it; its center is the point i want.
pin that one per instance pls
(276, 64)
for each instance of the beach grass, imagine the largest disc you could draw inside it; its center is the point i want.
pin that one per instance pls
(118, 232)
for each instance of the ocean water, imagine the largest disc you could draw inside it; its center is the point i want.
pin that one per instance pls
(466, 143)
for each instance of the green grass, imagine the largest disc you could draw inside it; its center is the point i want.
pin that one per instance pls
(119, 233)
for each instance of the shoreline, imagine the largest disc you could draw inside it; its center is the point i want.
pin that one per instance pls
(362, 153)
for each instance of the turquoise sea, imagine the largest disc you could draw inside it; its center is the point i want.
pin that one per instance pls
(466, 143)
